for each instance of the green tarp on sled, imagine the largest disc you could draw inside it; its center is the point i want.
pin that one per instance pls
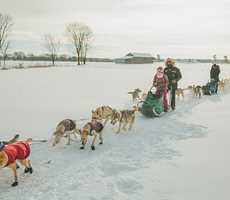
(151, 102)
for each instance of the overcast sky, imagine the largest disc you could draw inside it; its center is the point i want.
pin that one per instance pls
(175, 28)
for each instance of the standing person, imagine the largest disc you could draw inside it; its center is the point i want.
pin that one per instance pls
(160, 81)
(174, 75)
(214, 75)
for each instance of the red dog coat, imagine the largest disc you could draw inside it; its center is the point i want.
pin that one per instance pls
(19, 150)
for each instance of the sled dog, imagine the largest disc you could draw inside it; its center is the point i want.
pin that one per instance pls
(93, 128)
(135, 94)
(102, 113)
(197, 91)
(221, 85)
(17, 151)
(180, 92)
(65, 128)
(124, 118)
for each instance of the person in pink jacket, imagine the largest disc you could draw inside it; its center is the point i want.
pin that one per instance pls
(160, 81)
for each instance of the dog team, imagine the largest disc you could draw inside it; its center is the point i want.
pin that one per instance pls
(13, 150)
(164, 81)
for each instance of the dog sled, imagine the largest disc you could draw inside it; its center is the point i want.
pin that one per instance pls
(152, 106)
(210, 88)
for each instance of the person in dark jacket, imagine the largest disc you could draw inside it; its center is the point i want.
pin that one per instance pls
(174, 75)
(214, 75)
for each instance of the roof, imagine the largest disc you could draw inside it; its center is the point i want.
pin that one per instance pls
(143, 55)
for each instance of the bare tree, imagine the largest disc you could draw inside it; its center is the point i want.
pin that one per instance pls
(79, 35)
(4, 51)
(86, 43)
(52, 45)
(6, 22)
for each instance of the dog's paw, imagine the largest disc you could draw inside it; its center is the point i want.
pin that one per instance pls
(93, 148)
(14, 184)
(17, 166)
(82, 147)
(31, 170)
(28, 170)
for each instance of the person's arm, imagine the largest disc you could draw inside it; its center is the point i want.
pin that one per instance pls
(218, 70)
(166, 80)
(179, 76)
(165, 71)
(154, 81)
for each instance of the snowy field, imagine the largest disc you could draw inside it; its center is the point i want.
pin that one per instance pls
(182, 155)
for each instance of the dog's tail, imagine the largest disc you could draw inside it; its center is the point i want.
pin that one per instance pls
(13, 140)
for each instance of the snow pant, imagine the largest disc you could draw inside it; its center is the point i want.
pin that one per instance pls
(165, 100)
(216, 86)
(173, 97)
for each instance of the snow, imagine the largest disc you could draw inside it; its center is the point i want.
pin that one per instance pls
(181, 155)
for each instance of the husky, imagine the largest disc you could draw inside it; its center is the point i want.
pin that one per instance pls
(65, 128)
(180, 92)
(115, 117)
(124, 117)
(17, 151)
(92, 128)
(135, 94)
(102, 113)
(221, 85)
(197, 91)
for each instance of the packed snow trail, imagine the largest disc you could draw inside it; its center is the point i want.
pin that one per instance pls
(109, 172)
(130, 165)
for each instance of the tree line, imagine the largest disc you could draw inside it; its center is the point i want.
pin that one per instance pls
(79, 35)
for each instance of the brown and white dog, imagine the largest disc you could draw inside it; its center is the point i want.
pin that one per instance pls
(197, 91)
(180, 92)
(103, 113)
(221, 85)
(10, 153)
(93, 128)
(65, 128)
(124, 117)
(135, 94)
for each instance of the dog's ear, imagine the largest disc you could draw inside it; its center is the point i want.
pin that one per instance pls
(29, 140)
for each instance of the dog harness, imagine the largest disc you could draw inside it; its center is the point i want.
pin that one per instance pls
(17, 151)
(68, 124)
(96, 126)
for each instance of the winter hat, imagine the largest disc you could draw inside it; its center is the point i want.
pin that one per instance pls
(169, 61)
(160, 69)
